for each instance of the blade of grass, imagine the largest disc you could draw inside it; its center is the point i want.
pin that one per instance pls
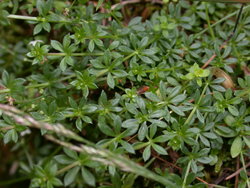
(208, 23)
(221, 20)
(98, 154)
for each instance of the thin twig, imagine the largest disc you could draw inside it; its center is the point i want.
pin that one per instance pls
(237, 172)
(236, 183)
(226, 41)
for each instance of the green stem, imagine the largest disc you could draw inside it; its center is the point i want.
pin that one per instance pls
(208, 23)
(244, 167)
(191, 115)
(166, 69)
(186, 174)
(76, 54)
(4, 91)
(104, 71)
(37, 19)
(118, 21)
(39, 85)
(196, 105)
(21, 17)
(221, 20)
(129, 56)
(66, 168)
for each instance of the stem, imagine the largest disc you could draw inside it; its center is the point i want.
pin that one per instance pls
(4, 91)
(77, 54)
(104, 71)
(66, 168)
(129, 56)
(191, 115)
(20, 17)
(7, 128)
(166, 69)
(196, 106)
(221, 20)
(208, 23)
(37, 19)
(40, 85)
(186, 174)
(244, 168)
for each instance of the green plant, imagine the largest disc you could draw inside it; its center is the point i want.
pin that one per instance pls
(110, 87)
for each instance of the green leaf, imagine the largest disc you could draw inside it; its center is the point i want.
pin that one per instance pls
(151, 96)
(70, 153)
(79, 125)
(159, 149)
(143, 42)
(105, 129)
(177, 110)
(218, 96)
(195, 45)
(146, 153)
(130, 123)
(88, 177)
(178, 98)
(119, 73)
(230, 120)
(159, 123)
(247, 141)
(46, 26)
(38, 28)
(10, 135)
(218, 88)
(98, 42)
(5, 77)
(205, 160)
(142, 131)
(56, 182)
(63, 159)
(40, 6)
(99, 4)
(233, 110)
(91, 45)
(85, 91)
(135, 21)
(205, 141)
(146, 59)
(125, 49)
(66, 41)
(71, 176)
(225, 131)
(236, 147)
(110, 81)
(63, 65)
(162, 138)
(210, 135)
(87, 119)
(69, 60)
(128, 147)
(114, 45)
(200, 116)
(57, 45)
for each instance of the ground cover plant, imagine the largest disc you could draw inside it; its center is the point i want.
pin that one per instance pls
(124, 94)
